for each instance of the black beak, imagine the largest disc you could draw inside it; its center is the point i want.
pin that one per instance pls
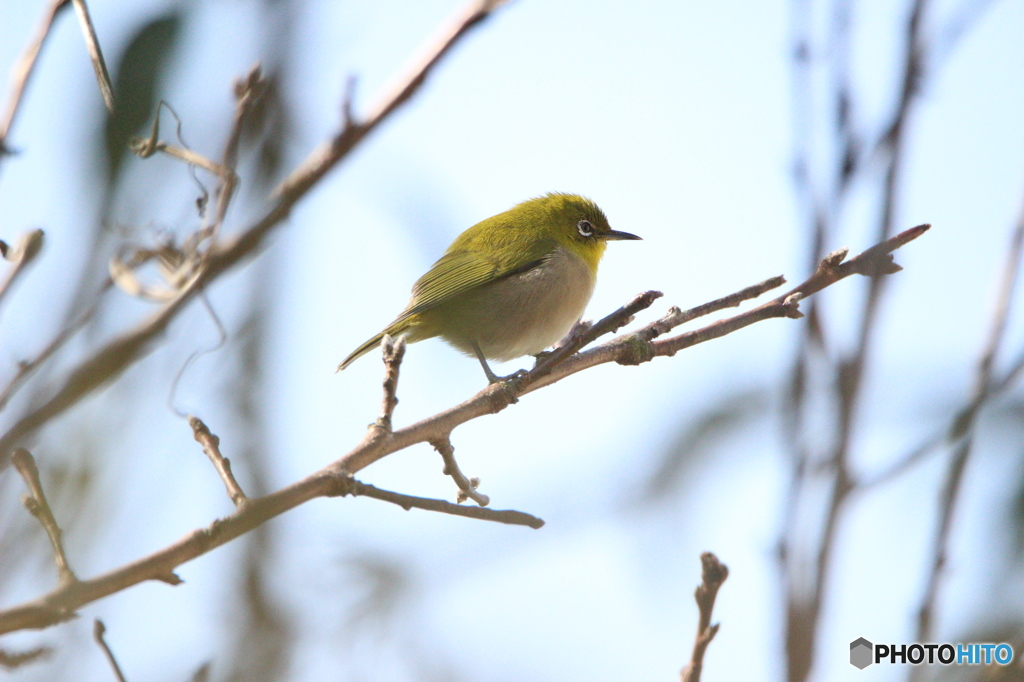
(615, 235)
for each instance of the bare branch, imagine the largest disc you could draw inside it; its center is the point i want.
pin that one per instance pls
(467, 486)
(408, 502)
(23, 69)
(38, 506)
(248, 90)
(394, 351)
(713, 574)
(29, 246)
(98, 630)
(211, 446)
(92, 43)
(676, 317)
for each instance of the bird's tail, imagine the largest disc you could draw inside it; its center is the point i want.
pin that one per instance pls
(394, 329)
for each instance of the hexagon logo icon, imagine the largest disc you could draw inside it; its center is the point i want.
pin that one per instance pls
(861, 653)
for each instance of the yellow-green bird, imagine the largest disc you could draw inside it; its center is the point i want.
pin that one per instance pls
(511, 285)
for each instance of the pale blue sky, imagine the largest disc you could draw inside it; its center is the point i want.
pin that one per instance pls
(675, 117)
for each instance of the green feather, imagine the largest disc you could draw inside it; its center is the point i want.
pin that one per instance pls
(501, 246)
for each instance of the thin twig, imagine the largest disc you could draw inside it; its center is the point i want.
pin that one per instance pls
(98, 630)
(393, 353)
(29, 246)
(407, 502)
(92, 43)
(23, 69)
(713, 574)
(248, 91)
(27, 367)
(676, 317)
(37, 505)
(467, 486)
(211, 446)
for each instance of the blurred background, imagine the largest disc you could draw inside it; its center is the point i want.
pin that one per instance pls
(741, 139)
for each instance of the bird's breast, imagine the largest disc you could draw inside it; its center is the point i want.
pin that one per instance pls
(524, 313)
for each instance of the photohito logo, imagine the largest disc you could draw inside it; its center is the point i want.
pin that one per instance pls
(863, 653)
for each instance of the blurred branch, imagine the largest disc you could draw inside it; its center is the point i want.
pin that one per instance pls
(98, 630)
(92, 44)
(39, 508)
(27, 367)
(22, 72)
(961, 430)
(10, 661)
(111, 360)
(29, 246)
(336, 478)
(844, 374)
(713, 574)
(211, 446)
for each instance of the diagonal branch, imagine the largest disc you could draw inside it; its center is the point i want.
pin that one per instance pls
(98, 630)
(92, 44)
(335, 479)
(22, 255)
(467, 486)
(211, 446)
(22, 72)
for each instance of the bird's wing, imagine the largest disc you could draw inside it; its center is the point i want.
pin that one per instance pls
(462, 269)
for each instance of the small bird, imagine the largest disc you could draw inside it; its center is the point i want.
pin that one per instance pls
(511, 285)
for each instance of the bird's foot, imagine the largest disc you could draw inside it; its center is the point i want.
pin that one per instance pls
(510, 384)
(541, 357)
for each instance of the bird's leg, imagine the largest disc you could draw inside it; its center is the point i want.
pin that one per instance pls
(492, 378)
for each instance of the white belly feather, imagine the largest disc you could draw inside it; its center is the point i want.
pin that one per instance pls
(526, 313)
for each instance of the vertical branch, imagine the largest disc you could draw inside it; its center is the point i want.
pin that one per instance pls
(38, 506)
(962, 430)
(394, 351)
(713, 574)
(803, 605)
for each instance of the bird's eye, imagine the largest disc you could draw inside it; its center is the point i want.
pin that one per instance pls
(585, 228)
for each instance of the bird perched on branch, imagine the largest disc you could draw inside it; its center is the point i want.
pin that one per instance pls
(511, 285)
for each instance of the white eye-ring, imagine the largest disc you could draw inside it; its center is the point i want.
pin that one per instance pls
(585, 228)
